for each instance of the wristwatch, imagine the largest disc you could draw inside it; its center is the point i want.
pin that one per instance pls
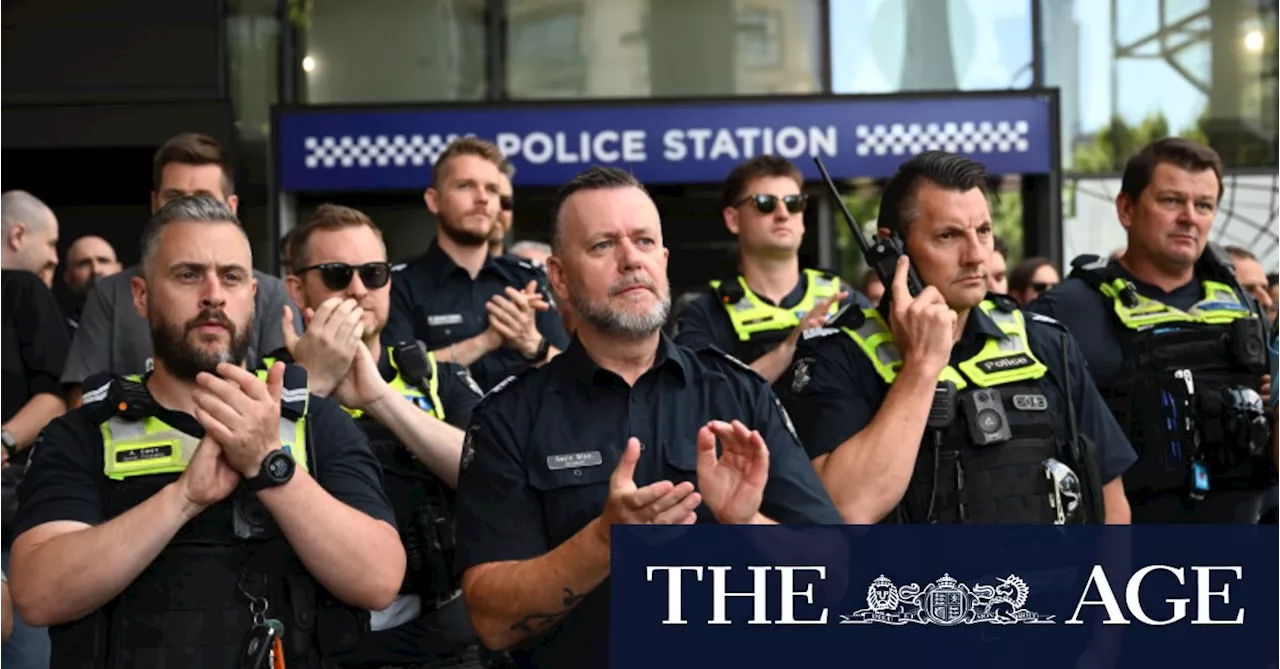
(541, 354)
(10, 444)
(276, 470)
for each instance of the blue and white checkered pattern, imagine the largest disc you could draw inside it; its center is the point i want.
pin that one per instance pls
(376, 150)
(908, 139)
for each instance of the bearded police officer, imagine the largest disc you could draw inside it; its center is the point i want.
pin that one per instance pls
(759, 313)
(618, 429)
(488, 313)
(952, 406)
(199, 517)
(1177, 348)
(409, 406)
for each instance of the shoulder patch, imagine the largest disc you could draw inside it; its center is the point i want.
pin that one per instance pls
(96, 388)
(716, 353)
(818, 332)
(503, 385)
(1089, 261)
(464, 375)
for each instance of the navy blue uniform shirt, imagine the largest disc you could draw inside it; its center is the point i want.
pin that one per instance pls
(542, 447)
(436, 301)
(704, 322)
(843, 390)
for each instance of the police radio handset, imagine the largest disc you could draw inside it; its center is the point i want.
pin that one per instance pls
(882, 256)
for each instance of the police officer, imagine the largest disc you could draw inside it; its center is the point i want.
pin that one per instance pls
(553, 457)
(953, 406)
(199, 517)
(506, 209)
(487, 313)
(1175, 345)
(409, 406)
(758, 313)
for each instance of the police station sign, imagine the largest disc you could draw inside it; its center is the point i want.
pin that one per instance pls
(322, 149)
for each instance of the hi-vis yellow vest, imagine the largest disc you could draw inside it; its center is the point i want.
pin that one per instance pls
(428, 401)
(1001, 361)
(150, 446)
(751, 315)
(1220, 306)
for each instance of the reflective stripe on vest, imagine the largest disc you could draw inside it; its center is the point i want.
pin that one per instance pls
(1001, 361)
(1220, 305)
(151, 446)
(752, 315)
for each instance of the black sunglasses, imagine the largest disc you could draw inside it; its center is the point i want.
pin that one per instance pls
(337, 275)
(766, 203)
(506, 202)
(1041, 287)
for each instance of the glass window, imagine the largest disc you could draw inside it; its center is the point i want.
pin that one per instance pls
(641, 48)
(891, 46)
(1134, 70)
(253, 37)
(354, 51)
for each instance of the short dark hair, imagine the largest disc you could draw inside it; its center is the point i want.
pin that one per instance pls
(867, 277)
(1000, 246)
(1020, 277)
(1272, 279)
(198, 208)
(191, 148)
(1239, 253)
(595, 177)
(756, 168)
(948, 171)
(326, 217)
(1184, 153)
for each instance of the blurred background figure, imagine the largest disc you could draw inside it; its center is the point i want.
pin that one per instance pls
(1030, 278)
(506, 205)
(534, 252)
(30, 235)
(90, 258)
(1252, 278)
(998, 267)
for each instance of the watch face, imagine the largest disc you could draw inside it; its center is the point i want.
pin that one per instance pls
(279, 466)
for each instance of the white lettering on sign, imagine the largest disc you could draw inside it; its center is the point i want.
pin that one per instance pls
(678, 144)
(606, 146)
(741, 143)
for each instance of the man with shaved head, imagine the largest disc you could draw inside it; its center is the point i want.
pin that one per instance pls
(30, 235)
(90, 258)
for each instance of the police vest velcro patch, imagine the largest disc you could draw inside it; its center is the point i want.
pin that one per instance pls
(1005, 363)
(814, 333)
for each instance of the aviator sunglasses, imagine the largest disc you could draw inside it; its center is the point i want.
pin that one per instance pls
(337, 275)
(766, 203)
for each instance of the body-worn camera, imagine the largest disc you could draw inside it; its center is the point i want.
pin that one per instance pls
(249, 518)
(1248, 344)
(1235, 426)
(984, 413)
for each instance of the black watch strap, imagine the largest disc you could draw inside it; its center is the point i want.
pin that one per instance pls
(543, 349)
(276, 469)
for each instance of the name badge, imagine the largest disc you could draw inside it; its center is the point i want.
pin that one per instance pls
(574, 460)
(444, 319)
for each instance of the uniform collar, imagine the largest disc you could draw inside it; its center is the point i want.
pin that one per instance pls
(441, 265)
(583, 369)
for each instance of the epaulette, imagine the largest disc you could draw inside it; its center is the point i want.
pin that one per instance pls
(728, 291)
(1047, 320)
(296, 393)
(718, 354)
(399, 266)
(1089, 262)
(522, 263)
(101, 397)
(504, 385)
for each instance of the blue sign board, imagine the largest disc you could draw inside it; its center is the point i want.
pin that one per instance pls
(323, 149)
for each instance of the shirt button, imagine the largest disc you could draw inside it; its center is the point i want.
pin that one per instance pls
(635, 400)
(577, 472)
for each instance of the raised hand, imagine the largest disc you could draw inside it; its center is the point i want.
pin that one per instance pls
(817, 316)
(241, 413)
(329, 344)
(208, 479)
(660, 503)
(923, 326)
(363, 385)
(732, 483)
(514, 317)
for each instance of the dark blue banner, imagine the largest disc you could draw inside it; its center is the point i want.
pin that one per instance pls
(945, 596)
(323, 149)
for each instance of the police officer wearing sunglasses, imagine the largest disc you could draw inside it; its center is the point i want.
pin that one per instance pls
(492, 314)
(758, 314)
(410, 407)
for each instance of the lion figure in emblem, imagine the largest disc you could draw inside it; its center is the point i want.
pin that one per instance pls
(882, 596)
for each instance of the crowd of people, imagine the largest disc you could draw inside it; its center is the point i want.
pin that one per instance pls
(368, 464)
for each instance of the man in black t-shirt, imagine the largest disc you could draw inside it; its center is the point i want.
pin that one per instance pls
(197, 516)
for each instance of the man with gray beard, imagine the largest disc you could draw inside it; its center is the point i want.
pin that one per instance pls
(552, 457)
